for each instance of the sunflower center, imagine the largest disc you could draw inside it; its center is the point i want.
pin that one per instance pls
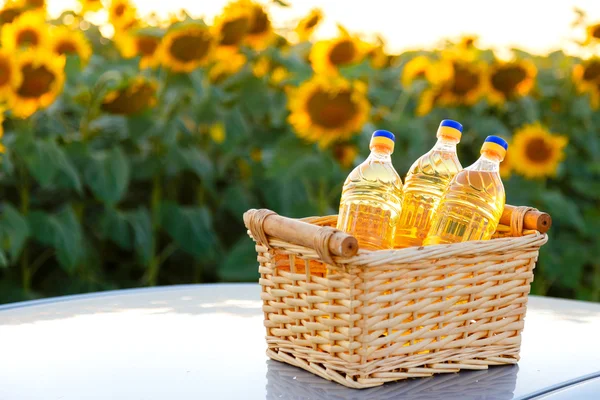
(596, 31)
(36, 3)
(147, 45)
(233, 31)
(66, 47)
(8, 15)
(37, 81)
(538, 151)
(507, 78)
(591, 71)
(314, 20)
(28, 37)
(469, 42)
(260, 22)
(5, 71)
(132, 100)
(464, 80)
(120, 10)
(331, 110)
(342, 52)
(190, 47)
(420, 74)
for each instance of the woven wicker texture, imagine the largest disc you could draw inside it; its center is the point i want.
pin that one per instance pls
(387, 315)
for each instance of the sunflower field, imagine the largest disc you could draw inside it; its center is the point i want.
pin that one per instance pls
(131, 147)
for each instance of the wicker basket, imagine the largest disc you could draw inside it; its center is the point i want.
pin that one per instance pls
(386, 315)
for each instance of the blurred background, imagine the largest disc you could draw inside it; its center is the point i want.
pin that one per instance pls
(136, 133)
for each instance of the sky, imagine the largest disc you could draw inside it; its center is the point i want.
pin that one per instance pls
(538, 26)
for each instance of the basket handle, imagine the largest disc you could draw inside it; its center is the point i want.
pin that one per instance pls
(324, 240)
(519, 218)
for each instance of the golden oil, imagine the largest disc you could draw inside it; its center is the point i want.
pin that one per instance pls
(372, 197)
(426, 181)
(473, 203)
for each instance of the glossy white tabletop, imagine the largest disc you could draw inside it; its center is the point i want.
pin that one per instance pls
(207, 341)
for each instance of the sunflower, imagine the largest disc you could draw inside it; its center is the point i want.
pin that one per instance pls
(187, 47)
(276, 73)
(327, 56)
(468, 42)
(232, 26)
(135, 96)
(466, 83)
(224, 67)
(34, 4)
(593, 34)
(508, 80)
(587, 79)
(27, 30)
(42, 81)
(423, 68)
(65, 41)
(10, 75)
(536, 153)
(260, 33)
(345, 154)
(377, 56)
(10, 12)
(91, 5)
(308, 24)
(143, 43)
(122, 14)
(326, 109)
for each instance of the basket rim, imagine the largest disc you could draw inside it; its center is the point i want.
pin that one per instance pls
(371, 258)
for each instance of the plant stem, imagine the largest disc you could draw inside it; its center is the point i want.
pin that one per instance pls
(154, 266)
(24, 199)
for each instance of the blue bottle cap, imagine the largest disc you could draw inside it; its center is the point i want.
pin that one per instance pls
(382, 133)
(497, 140)
(452, 124)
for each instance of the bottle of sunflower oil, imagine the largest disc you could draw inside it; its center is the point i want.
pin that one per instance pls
(372, 197)
(473, 203)
(425, 183)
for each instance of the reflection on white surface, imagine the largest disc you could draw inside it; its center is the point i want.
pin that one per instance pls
(498, 383)
(205, 342)
(141, 350)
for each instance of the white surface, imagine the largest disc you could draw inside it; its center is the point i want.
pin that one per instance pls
(205, 342)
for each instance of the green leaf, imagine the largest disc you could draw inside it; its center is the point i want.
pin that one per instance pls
(564, 210)
(107, 175)
(240, 264)
(190, 227)
(237, 200)
(141, 224)
(69, 241)
(115, 227)
(14, 225)
(3, 260)
(45, 160)
(197, 161)
(60, 231)
(110, 126)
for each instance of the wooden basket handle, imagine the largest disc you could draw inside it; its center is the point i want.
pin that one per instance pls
(324, 240)
(525, 218)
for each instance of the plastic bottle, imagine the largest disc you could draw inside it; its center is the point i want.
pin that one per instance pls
(425, 184)
(372, 197)
(473, 204)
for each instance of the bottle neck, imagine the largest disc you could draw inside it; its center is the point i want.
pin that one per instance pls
(380, 154)
(445, 143)
(488, 162)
